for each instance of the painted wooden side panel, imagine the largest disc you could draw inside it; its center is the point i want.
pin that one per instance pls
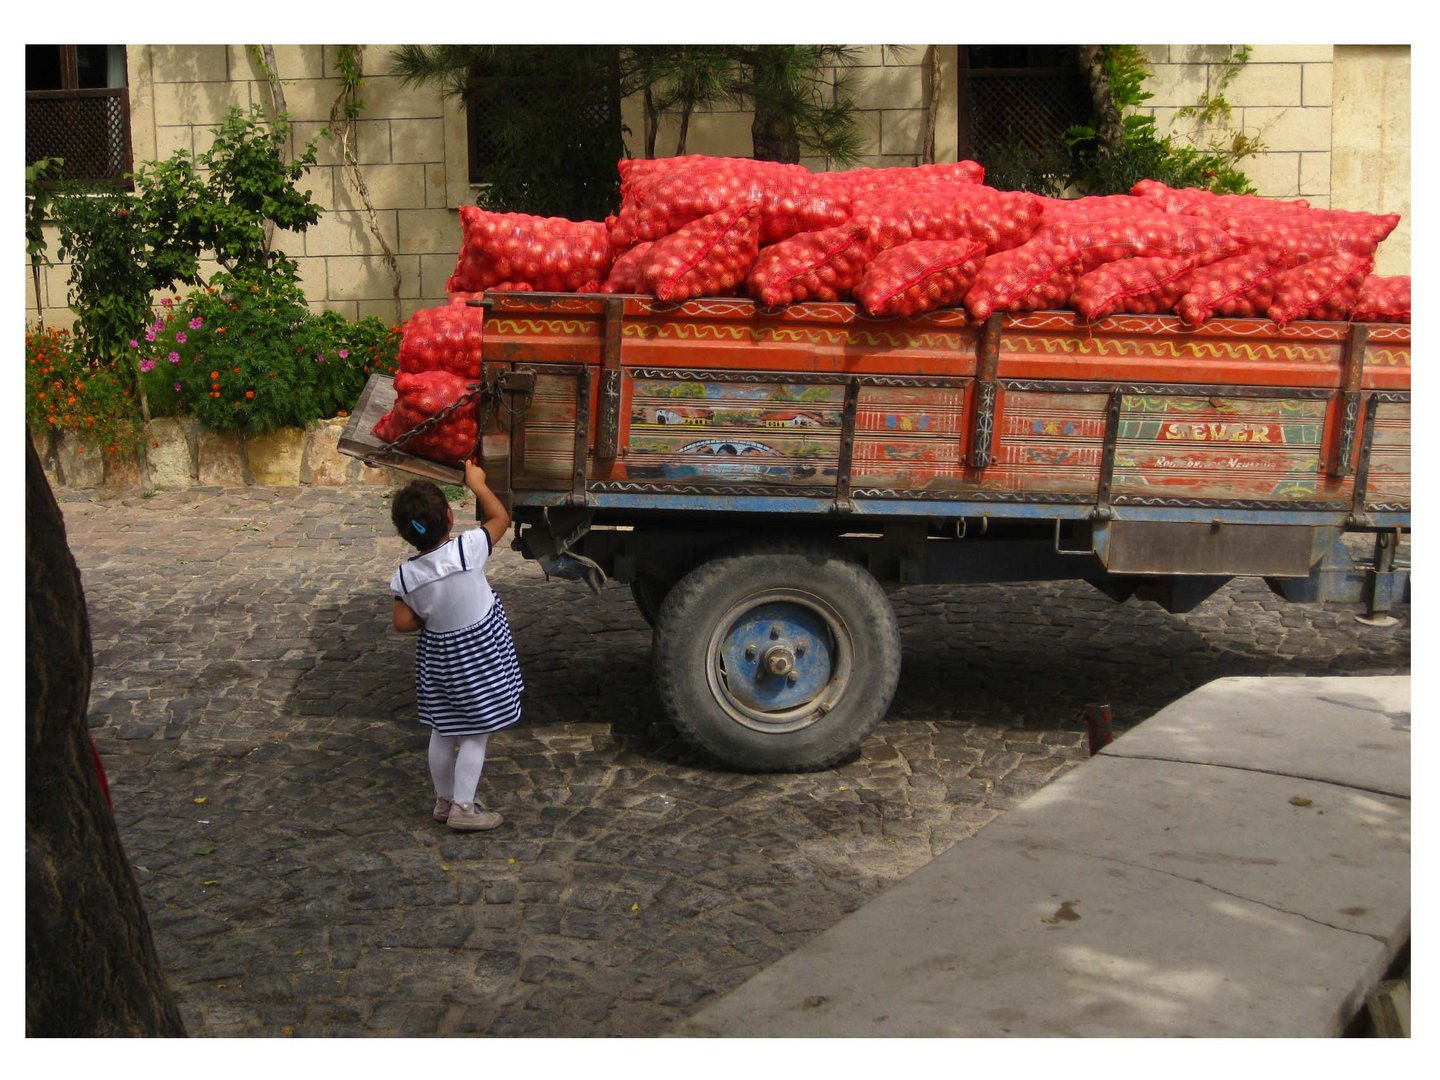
(1049, 442)
(1221, 448)
(546, 451)
(1390, 454)
(686, 428)
(720, 392)
(910, 437)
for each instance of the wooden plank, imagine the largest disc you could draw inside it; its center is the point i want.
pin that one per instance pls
(358, 440)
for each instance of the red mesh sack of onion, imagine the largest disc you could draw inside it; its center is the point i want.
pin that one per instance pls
(661, 201)
(1142, 285)
(939, 211)
(443, 339)
(824, 265)
(1239, 286)
(1324, 288)
(420, 396)
(1383, 299)
(545, 253)
(1032, 277)
(920, 276)
(708, 257)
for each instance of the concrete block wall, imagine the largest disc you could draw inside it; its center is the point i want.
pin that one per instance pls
(1370, 154)
(410, 144)
(1280, 96)
(1334, 119)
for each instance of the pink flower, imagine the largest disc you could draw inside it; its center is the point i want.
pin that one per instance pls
(177, 388)
(320, 359)
(174, 357)
(147, 365)
(180, 337)
(134, 344)
(166, 302)
(149, 335)
(344, 353)
(196, 323)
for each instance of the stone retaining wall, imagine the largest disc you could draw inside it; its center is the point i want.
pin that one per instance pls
(178, 453)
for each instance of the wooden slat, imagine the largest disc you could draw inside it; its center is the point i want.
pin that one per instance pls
(358, 439)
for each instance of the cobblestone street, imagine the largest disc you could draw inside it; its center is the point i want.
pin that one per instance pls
(254, 712)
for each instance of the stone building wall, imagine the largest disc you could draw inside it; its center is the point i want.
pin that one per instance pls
(1334, 121)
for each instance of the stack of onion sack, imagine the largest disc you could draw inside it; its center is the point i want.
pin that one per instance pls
(1278, 239)
(515, 251)
(439, 360)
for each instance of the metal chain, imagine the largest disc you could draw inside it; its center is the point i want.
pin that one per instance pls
(476, 390)
(492, 407)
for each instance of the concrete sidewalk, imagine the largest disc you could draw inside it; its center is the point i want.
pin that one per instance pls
(1237, 865)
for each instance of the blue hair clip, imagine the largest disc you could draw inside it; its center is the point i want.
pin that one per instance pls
(417, 526)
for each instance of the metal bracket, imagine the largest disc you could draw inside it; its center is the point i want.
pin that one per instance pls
(986, 392)
(1350, 397)
(843, 502)
(607, 431)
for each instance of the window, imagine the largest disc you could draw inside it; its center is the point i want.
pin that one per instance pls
(77, 107)
(1019, 97)
(544, 128)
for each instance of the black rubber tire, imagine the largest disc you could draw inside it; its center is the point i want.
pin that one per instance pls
(694, 689)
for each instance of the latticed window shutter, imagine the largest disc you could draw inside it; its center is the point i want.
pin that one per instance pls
(71, 113)
(1019, 95)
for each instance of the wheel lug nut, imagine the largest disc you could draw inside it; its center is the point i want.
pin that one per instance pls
(749, 652)
(791, 680)
(774, 632)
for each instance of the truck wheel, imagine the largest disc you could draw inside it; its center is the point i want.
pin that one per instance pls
(780, 658)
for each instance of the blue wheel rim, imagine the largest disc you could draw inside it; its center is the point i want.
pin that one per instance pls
(779, 660)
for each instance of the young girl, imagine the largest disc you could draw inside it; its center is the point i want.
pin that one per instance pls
(467, 679)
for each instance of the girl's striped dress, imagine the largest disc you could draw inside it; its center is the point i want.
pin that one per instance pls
(467, 677)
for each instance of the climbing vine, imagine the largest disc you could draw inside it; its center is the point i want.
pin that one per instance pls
(344, 113)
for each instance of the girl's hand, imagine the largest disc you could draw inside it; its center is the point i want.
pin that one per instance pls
(474, 474)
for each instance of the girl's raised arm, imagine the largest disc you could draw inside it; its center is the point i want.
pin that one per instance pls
(494, 518)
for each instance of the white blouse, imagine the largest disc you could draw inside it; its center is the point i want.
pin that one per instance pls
(446, 587)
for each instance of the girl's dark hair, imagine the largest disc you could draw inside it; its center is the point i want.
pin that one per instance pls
(419, 512)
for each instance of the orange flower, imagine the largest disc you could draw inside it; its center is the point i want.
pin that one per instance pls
(214, 374)
(249, 393)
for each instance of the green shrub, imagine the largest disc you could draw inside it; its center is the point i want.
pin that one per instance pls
(246, 353)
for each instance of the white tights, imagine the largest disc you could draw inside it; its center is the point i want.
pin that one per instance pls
(456, 762)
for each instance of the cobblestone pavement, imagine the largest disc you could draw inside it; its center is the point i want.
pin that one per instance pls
(254, 711)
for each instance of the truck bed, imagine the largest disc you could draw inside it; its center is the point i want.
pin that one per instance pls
(628, 403)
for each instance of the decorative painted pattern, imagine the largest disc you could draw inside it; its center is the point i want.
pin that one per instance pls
(906, 437)
(1389, 478)
(1168, 349)
(1049, 441)
(1219, 447)
(803, 335)
(537, 327)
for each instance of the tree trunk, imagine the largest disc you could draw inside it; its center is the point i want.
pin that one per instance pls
(1109, 128)
(773, 135)
(684, 137)
(90, 962)
(773, 132)
(652, 123)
